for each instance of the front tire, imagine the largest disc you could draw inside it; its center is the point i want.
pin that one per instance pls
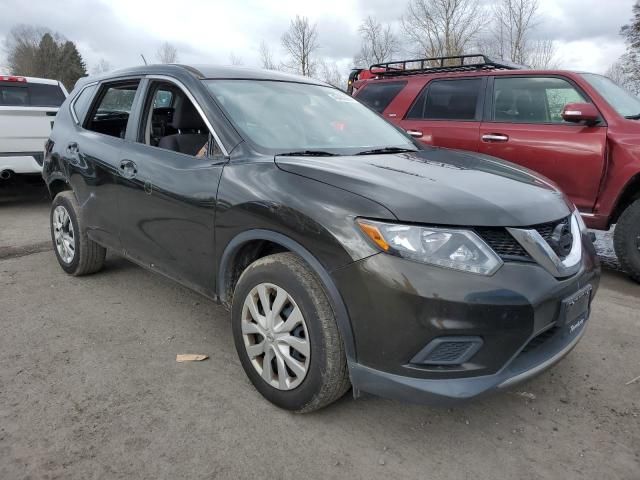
(76, 253)
(626, 240)
(286, 334)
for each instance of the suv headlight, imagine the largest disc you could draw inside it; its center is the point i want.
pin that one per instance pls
(449, 248)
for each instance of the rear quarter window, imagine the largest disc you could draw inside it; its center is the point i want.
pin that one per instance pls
(378, 96)
(81, 103)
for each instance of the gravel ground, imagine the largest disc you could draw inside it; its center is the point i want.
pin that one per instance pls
(89, 388)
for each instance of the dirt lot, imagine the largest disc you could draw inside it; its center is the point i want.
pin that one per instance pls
(89, 388)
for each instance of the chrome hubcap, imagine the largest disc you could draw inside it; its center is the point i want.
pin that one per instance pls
(275, 336)
(63, 234)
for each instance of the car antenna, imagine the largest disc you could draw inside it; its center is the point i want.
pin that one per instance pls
(144, 59)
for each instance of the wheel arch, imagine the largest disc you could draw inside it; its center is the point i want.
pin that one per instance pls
(250, 245)
(57, 184)
(630, 193)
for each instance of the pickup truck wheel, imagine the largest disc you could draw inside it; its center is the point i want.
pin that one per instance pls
(286, 335)
(76, 253)
(626, 240)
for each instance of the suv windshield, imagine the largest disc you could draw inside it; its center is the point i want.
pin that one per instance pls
(284, 117)
(622, 101)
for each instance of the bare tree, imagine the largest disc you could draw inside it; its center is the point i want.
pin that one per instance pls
(443, 27)
(379, 44)
(167, 53)
(329, 72)
(266, 57)
(541, 54)
(514, 21)
(300, 42)
(235, 59)
(623, 73)
(22, 45)
(101, 67)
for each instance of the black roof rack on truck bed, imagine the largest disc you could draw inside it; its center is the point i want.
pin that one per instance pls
(455, 63)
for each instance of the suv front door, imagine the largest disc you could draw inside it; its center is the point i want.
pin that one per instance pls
(168, 205)
(524, 126)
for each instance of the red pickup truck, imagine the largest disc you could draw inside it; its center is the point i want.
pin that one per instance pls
(580, 130)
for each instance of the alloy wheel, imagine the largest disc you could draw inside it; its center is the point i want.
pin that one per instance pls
(63, 234)
(275, 336)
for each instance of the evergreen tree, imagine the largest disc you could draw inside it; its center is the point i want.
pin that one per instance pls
(628, 67)
(47, 57)
(38, 52)
(71, 67)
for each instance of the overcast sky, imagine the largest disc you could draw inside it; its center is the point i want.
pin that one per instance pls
(586, 32)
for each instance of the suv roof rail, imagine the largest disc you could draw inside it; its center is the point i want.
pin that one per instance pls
(453, 63)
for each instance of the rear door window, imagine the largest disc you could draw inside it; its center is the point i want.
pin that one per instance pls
(378, 96)
(448, 100)
(110, 114)
(44, 95)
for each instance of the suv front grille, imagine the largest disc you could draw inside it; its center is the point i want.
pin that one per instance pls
(503, 244)
(507, 247)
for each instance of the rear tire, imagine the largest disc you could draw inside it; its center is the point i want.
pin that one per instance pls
(626, 240)
(76, 253)
(307, 367)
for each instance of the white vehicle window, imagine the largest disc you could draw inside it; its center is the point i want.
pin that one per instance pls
(11, 95)
(45, 95)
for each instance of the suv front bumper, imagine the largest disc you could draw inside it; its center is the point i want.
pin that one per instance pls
(397, 307)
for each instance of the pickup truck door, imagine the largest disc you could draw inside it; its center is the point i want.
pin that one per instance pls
(523, 125)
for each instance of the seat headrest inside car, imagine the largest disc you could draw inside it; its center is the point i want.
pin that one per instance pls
(186, 117)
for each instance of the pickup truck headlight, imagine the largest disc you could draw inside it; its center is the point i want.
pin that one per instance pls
(449, 248)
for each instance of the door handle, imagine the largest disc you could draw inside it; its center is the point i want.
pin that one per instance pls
(415, 133)
(72, 148)
(495, 137)
(128, 169)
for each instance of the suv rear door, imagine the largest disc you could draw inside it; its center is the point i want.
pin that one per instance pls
(91, 148)
(447, 113)
(523, 125)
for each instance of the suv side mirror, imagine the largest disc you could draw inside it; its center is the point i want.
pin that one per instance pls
(580, 112)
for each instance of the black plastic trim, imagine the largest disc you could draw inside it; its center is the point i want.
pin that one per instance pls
(337, 304)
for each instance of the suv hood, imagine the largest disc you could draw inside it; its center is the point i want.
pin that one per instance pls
(440, 186)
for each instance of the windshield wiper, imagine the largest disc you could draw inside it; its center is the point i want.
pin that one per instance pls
(377, 151)
(307, 153)
(633, 117)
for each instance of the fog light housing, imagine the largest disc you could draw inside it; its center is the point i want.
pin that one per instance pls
(453, 350)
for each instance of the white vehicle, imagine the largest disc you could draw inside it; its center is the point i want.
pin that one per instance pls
(28, 107)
